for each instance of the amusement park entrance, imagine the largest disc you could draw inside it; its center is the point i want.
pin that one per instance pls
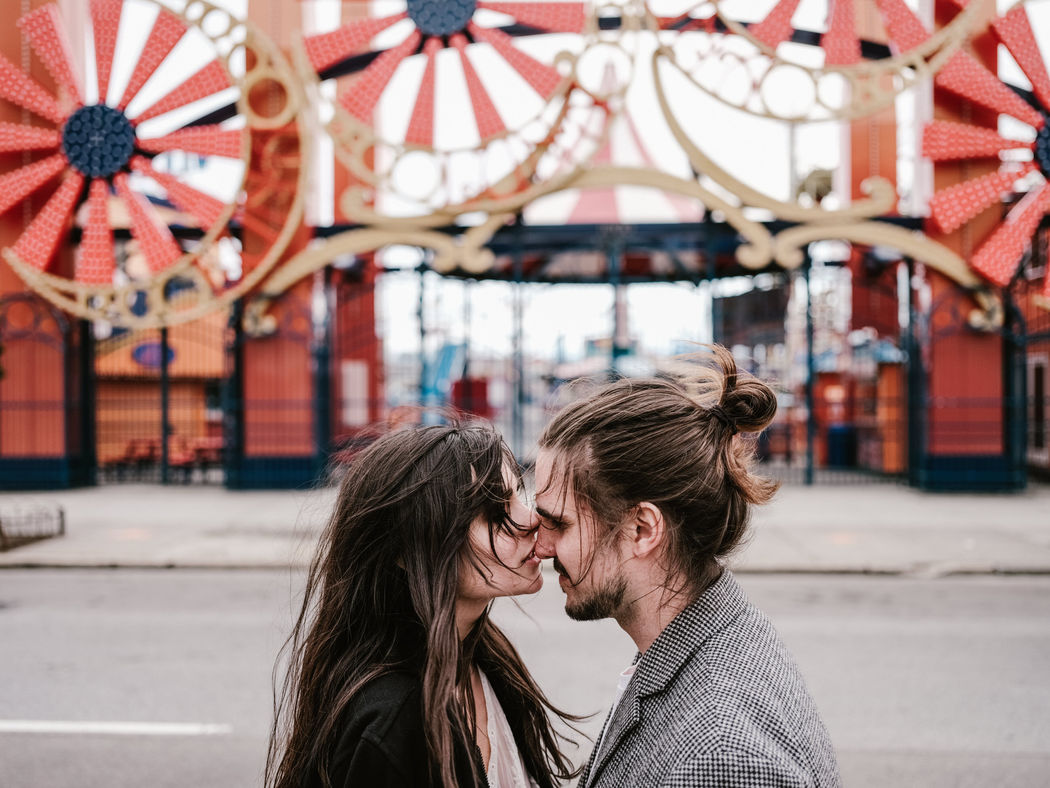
(847, 338)
(234, 268)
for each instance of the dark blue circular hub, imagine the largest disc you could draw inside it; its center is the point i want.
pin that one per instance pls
(441, 17)
(1042, 146)
(98, 140)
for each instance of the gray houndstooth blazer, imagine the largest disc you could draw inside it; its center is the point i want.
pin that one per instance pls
(715, 701)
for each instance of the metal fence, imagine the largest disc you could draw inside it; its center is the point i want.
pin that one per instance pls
(205, 403)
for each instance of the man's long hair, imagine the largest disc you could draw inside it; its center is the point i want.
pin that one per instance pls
(380, 597)
(681, 443)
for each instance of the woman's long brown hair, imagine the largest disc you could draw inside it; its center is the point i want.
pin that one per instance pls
(380, 596)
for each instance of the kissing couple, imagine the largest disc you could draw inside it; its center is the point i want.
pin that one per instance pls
(398, 677)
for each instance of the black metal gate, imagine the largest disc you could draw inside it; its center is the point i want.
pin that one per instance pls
(46, 396)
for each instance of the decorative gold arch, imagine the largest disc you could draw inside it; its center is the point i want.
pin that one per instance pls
(844, 86)
(558, 159)
(175, 286)
(857, 222)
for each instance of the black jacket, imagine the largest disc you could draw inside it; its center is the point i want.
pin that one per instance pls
(382, 744)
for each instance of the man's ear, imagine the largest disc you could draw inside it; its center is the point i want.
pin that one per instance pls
(645, 529)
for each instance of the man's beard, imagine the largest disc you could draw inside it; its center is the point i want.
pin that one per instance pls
(602, 602)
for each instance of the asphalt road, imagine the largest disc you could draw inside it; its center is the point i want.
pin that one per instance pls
(164, 677)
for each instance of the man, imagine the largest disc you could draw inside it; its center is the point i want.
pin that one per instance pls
(643, 491)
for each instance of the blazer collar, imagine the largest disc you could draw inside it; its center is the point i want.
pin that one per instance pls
(709, 613)
(718, 605)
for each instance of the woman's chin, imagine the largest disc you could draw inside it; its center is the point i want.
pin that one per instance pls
(536, 585)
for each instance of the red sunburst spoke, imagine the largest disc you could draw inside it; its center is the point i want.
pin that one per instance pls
(209, 80)
(36, 246)
(541, 77)
(905, 29)
(43, 28)
(965, 77)
(17, 185)
(205, 140)
(952, 207)
(360, 101)
(167, 30)
(157, 243)
(19, 89)
(841, 44)
(16, 137)
(776, 27)
(1015, 31)
(105, 22)
(486, 115)
(95, 263)
(553, 17)
(327, 49)
(946, 141)
(421, 126)
(1000, 255)
(203, 207)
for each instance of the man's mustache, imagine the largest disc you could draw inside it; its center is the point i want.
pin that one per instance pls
(561, 570)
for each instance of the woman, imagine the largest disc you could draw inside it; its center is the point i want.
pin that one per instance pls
(397, 676)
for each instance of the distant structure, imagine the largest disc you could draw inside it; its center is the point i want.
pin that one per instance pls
(193, 240)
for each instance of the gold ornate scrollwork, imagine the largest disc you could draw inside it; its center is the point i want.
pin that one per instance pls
(199, 282)
(856, 222)
(433, 182)
(464, 248)
(833, 91)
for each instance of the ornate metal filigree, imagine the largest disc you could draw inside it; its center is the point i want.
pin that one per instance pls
(490, 158)
(103, 146)
(745, 65)
(732, 201)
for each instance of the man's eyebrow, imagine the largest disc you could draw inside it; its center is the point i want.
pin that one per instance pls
(548, 516)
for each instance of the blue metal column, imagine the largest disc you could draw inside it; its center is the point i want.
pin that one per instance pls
(811, 373)
(165, 395)
(321, 358)
(518, 410)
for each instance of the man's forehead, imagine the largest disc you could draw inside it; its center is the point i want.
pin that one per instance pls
(550, 497)
(554, 497)
(553, 491)
(544, 462)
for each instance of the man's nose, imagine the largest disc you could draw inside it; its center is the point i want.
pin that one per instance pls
(545, 543)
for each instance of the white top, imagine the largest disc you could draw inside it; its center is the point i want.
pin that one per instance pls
(506, 767)
(621, 685)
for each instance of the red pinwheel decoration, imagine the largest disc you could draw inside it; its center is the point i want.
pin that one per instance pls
(840, 41)
(999, 255)
(95, 148)
(430, 28)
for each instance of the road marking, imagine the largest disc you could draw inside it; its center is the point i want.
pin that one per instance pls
(115, 728)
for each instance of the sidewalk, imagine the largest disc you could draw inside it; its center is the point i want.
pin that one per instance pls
(852, 529)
